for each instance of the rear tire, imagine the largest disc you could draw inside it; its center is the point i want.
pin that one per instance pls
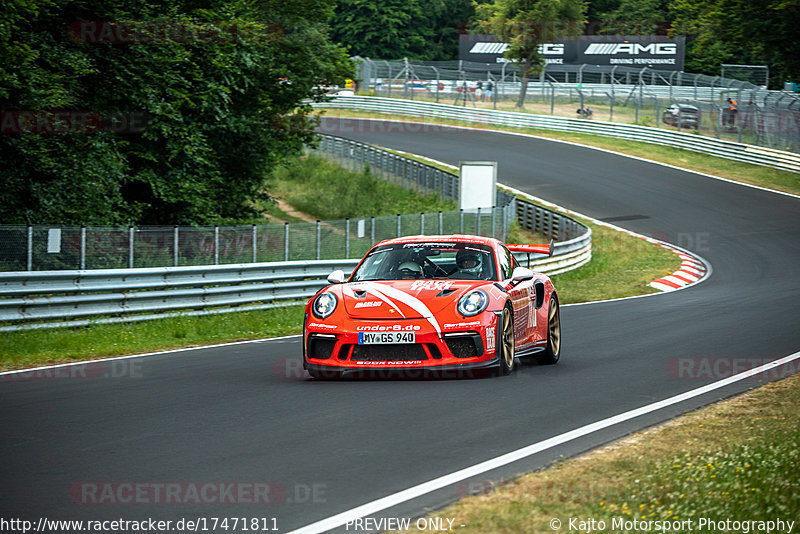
(552, 352)
(505, 342)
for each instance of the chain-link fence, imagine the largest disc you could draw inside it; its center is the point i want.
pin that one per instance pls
(55, 248)
(39, 248)
(615, 93)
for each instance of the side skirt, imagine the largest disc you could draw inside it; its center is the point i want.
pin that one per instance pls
(531, 349)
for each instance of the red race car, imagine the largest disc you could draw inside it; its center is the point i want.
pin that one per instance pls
(451, 304)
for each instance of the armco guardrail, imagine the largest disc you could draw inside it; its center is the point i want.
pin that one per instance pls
(572, 251)
(716, 147)
(44, 299)
(140, 294)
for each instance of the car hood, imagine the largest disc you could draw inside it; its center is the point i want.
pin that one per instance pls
(403, 299)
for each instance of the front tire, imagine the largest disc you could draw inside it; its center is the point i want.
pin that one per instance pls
(505, 342)
(552, 353)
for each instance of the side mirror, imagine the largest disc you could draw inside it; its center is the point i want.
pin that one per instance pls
(521, 274)
(336, 277)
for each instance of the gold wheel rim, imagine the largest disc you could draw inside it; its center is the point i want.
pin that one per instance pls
(508, 339)
(555, 327)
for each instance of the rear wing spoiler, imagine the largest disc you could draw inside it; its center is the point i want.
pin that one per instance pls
(532, 249)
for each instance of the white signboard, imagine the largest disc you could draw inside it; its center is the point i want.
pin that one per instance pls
(54, 241)
(477, 185)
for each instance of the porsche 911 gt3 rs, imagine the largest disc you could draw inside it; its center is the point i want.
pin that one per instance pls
(452, 304)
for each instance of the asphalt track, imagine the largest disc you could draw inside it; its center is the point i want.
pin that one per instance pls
(243, 414)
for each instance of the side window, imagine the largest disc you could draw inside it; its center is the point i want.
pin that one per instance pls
(507, 263)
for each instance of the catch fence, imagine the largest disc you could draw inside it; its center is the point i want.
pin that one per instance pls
(640, 95)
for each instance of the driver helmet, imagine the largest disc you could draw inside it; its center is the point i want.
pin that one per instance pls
(409, 270)
(468, 260)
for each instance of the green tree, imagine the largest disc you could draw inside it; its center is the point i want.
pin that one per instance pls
(448, 19)
(217, 88)
(768, 29)
(597, 10)
(734, 31)
(385, 29)
(525, 24)
(636, 17)
(698, 21)
(395, 29)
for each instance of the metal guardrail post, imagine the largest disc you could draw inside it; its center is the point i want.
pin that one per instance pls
(347, 238)
(131, 246)
(319, 237)
(175, 246)
(30, 249)
(216, 245)
(372, 231)
(286, 241)
(83, 248)
(398, 225)
(437, 83)
(255, 244)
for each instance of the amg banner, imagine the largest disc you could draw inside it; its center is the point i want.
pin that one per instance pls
(655, 51)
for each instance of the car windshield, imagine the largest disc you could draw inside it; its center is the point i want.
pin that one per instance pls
(409, 261)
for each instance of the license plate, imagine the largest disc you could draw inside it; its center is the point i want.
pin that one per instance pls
(385, 338)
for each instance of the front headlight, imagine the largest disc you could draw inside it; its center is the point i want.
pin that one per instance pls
(324, 304)
(473, 303)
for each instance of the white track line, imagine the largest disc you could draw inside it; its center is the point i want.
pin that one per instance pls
(494, 129)
(381, 504)
(146, 354)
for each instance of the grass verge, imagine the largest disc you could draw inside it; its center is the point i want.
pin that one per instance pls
(31, 348)
(780, 180)
(621, 266)
(326, 191)
(735, 460)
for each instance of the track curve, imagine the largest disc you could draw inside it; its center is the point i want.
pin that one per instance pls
(242, 413)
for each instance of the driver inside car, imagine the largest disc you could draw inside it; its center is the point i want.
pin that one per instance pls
(469, 265)
(409, 270)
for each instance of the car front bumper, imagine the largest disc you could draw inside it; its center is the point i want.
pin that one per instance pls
(467, 344)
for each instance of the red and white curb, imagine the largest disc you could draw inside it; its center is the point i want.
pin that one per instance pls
(692, 271)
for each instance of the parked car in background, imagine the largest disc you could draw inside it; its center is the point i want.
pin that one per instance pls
(682, 115)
